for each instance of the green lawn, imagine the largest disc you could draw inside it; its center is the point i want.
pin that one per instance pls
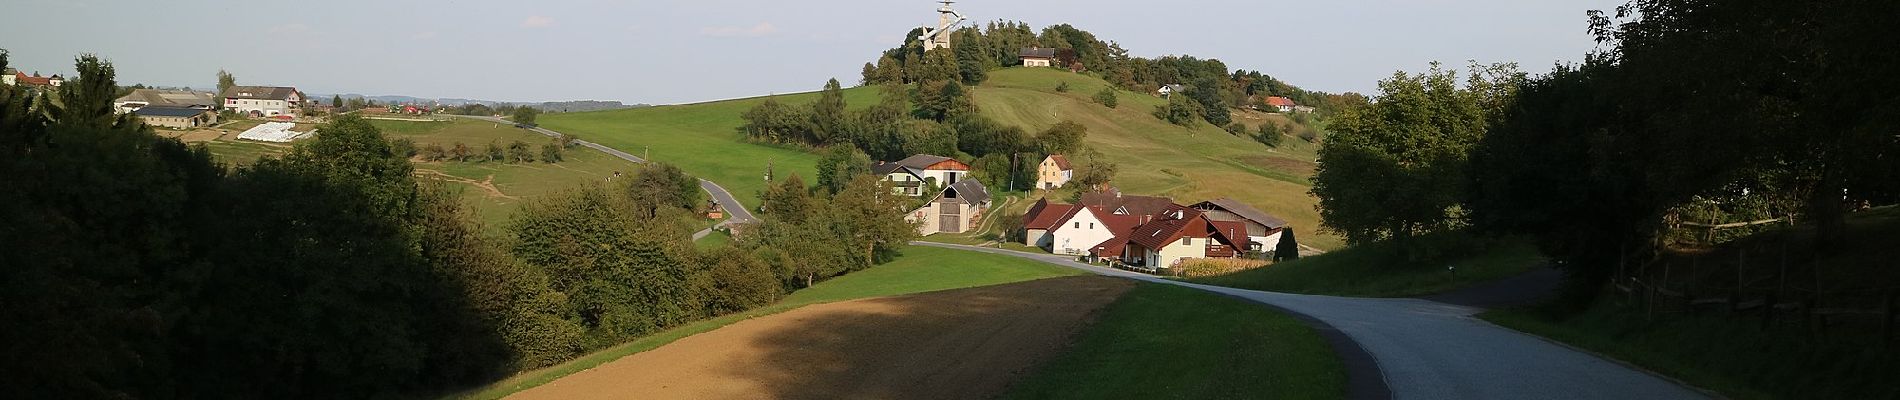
(1169, 342)
(920, 269)
(702, 139)
(716, 239)
(1378, 270)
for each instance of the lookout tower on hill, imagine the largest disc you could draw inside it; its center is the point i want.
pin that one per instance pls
(939, 37)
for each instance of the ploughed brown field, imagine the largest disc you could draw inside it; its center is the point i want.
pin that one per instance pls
(964, 343)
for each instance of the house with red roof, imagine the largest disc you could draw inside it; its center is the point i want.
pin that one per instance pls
(1148, 233)
(1042, 217)
(1054, 172)
(1180, 233)
(1088, 226)
(1281, 104)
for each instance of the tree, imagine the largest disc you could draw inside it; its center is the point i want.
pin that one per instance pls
(526, 115)
(551, 152)
(1063, 138)
(460, 152)
(828, 113)
(868, 75)
(518, 152)
(1271, 134)
(1180, 110)
(839, 166)
(1106, 97)
(1395, 169)
(659, 186)
(494, 152)
(336, 101)
(1288, 249)
(872, 216)
(225, 82)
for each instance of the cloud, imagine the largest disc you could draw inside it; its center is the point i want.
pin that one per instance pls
(537, 21)
(762, 29)
(290, 28)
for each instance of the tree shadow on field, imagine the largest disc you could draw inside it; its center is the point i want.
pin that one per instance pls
(965, 343)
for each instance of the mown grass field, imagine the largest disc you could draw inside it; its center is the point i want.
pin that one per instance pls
(1170, 342)
(1155, 158)
(1379, 270)
(919, 269)
(492, 189)
(702, 139)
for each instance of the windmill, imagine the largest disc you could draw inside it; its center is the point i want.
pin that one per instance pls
(939, 37)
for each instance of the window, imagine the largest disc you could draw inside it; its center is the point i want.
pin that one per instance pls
(1187, 241)
(1078, 225)
(1091, 225)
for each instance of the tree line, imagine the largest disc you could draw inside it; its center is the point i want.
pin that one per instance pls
(1693, 106)
(140, 267)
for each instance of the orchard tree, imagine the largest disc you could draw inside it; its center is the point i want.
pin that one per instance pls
(526, 115)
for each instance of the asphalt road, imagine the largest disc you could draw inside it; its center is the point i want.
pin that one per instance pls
(736, 213)
(1423, 349)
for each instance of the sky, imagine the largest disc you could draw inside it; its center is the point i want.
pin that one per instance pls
(669, 52)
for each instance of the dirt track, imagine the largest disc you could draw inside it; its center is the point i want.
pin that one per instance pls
(967, 343)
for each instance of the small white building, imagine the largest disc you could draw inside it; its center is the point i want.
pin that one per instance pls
(1054, 172)
(1167, 90)
(1087, 227)
(263, 101)
(1038, 57)
(957, 209)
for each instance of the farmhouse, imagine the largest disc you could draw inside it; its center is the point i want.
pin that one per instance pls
(263, 101)
(1281, 104)
(1176, 234)
(176, 117)
(36, 81)
(1088, 226)
(1054, 172)
(1167, 90)
(1038, 57)
(909, 176)
(955, 210)
(1262, 229)
(141, 98)
(1042, 217)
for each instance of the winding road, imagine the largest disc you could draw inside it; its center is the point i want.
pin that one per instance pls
(738, 213)
(1393, 348)
(1422, 349)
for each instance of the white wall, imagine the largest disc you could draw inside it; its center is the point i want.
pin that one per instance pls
(1177, 251)
(1080, 234)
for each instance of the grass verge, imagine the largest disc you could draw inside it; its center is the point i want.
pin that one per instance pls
(1169, 342)
(1734, 357)
(1381, 270)
(920, 269)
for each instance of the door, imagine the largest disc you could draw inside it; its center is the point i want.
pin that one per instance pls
(950, 217)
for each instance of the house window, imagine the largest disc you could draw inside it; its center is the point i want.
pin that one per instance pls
(1187, 241)
(1091, 225)
(1078, 225)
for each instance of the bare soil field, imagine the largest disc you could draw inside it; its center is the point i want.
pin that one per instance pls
(965, 343)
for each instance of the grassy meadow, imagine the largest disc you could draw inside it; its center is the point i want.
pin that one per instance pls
(1380, 270)
(919, 269)
(1170, 342)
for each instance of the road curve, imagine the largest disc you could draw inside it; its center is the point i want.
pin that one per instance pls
(737, 212)
(1429, 350)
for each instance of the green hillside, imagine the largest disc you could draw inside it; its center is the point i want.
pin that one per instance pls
(1155, 158)
(702, 139)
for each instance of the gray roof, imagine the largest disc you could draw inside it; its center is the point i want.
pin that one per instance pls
(885, 168)
(180, 98)
(259, 92)
(1037, 52)
(921, 161)
(169, 112)
(971, 191)
(1244, 211)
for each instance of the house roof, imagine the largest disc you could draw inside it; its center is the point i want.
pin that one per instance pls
(1045, 215)
(1242, 210)
(971, 191)
(1166, 228)
(259, 92)
(1278, 101)
(162, 111)
(1061, 162)
(181, 98)
(1037, 52)
(1063, 220)
(922, 161)
(35, 80)
(1172, 87)
(1135, 205)
(1234, 231)
(885, 168)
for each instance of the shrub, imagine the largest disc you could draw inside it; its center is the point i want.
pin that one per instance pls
(433, 152)
(551, 152)
(1204, 267)
(1270, 134)
(404, 147)
(1062, 87)
(520, 152)
(460, 152)
(494, 152)
(1237, 129)
(738, 282)
(1107, 97)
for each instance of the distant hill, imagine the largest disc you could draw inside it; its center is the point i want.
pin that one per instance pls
(554, 106)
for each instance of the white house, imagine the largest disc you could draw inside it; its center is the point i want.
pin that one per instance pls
(955, 210)
(1281, 104)
(910, 175)
(1037, 57)
(1176, 234)
(1087, 227)
(1263, 230)
(263, 101)
(1054, 172)
(1167, 90)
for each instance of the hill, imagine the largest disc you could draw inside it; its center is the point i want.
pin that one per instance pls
(1154, 157)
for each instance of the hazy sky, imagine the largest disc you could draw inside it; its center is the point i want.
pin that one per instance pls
(666, 51)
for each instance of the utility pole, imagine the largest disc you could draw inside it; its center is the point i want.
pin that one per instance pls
(1012, 172)
(646, 153)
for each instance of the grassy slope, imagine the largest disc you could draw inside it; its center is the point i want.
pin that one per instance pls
(920, 269)
(515, 182)
(1375, 270)
(1158, 158)
(1155, 157)
(1169, 342)
(702, 139)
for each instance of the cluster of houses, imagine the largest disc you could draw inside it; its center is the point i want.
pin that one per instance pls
(187, 109)
(1147, 232)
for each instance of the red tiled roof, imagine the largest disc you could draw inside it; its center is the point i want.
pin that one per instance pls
(1064, 219)
(1167, 228)
(1278, 101)
(1136, 205)
(36, 80)
(1061, 162)
(1046, 216)
(1234, 231)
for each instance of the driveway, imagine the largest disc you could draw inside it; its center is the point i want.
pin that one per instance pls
(1421, 349)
